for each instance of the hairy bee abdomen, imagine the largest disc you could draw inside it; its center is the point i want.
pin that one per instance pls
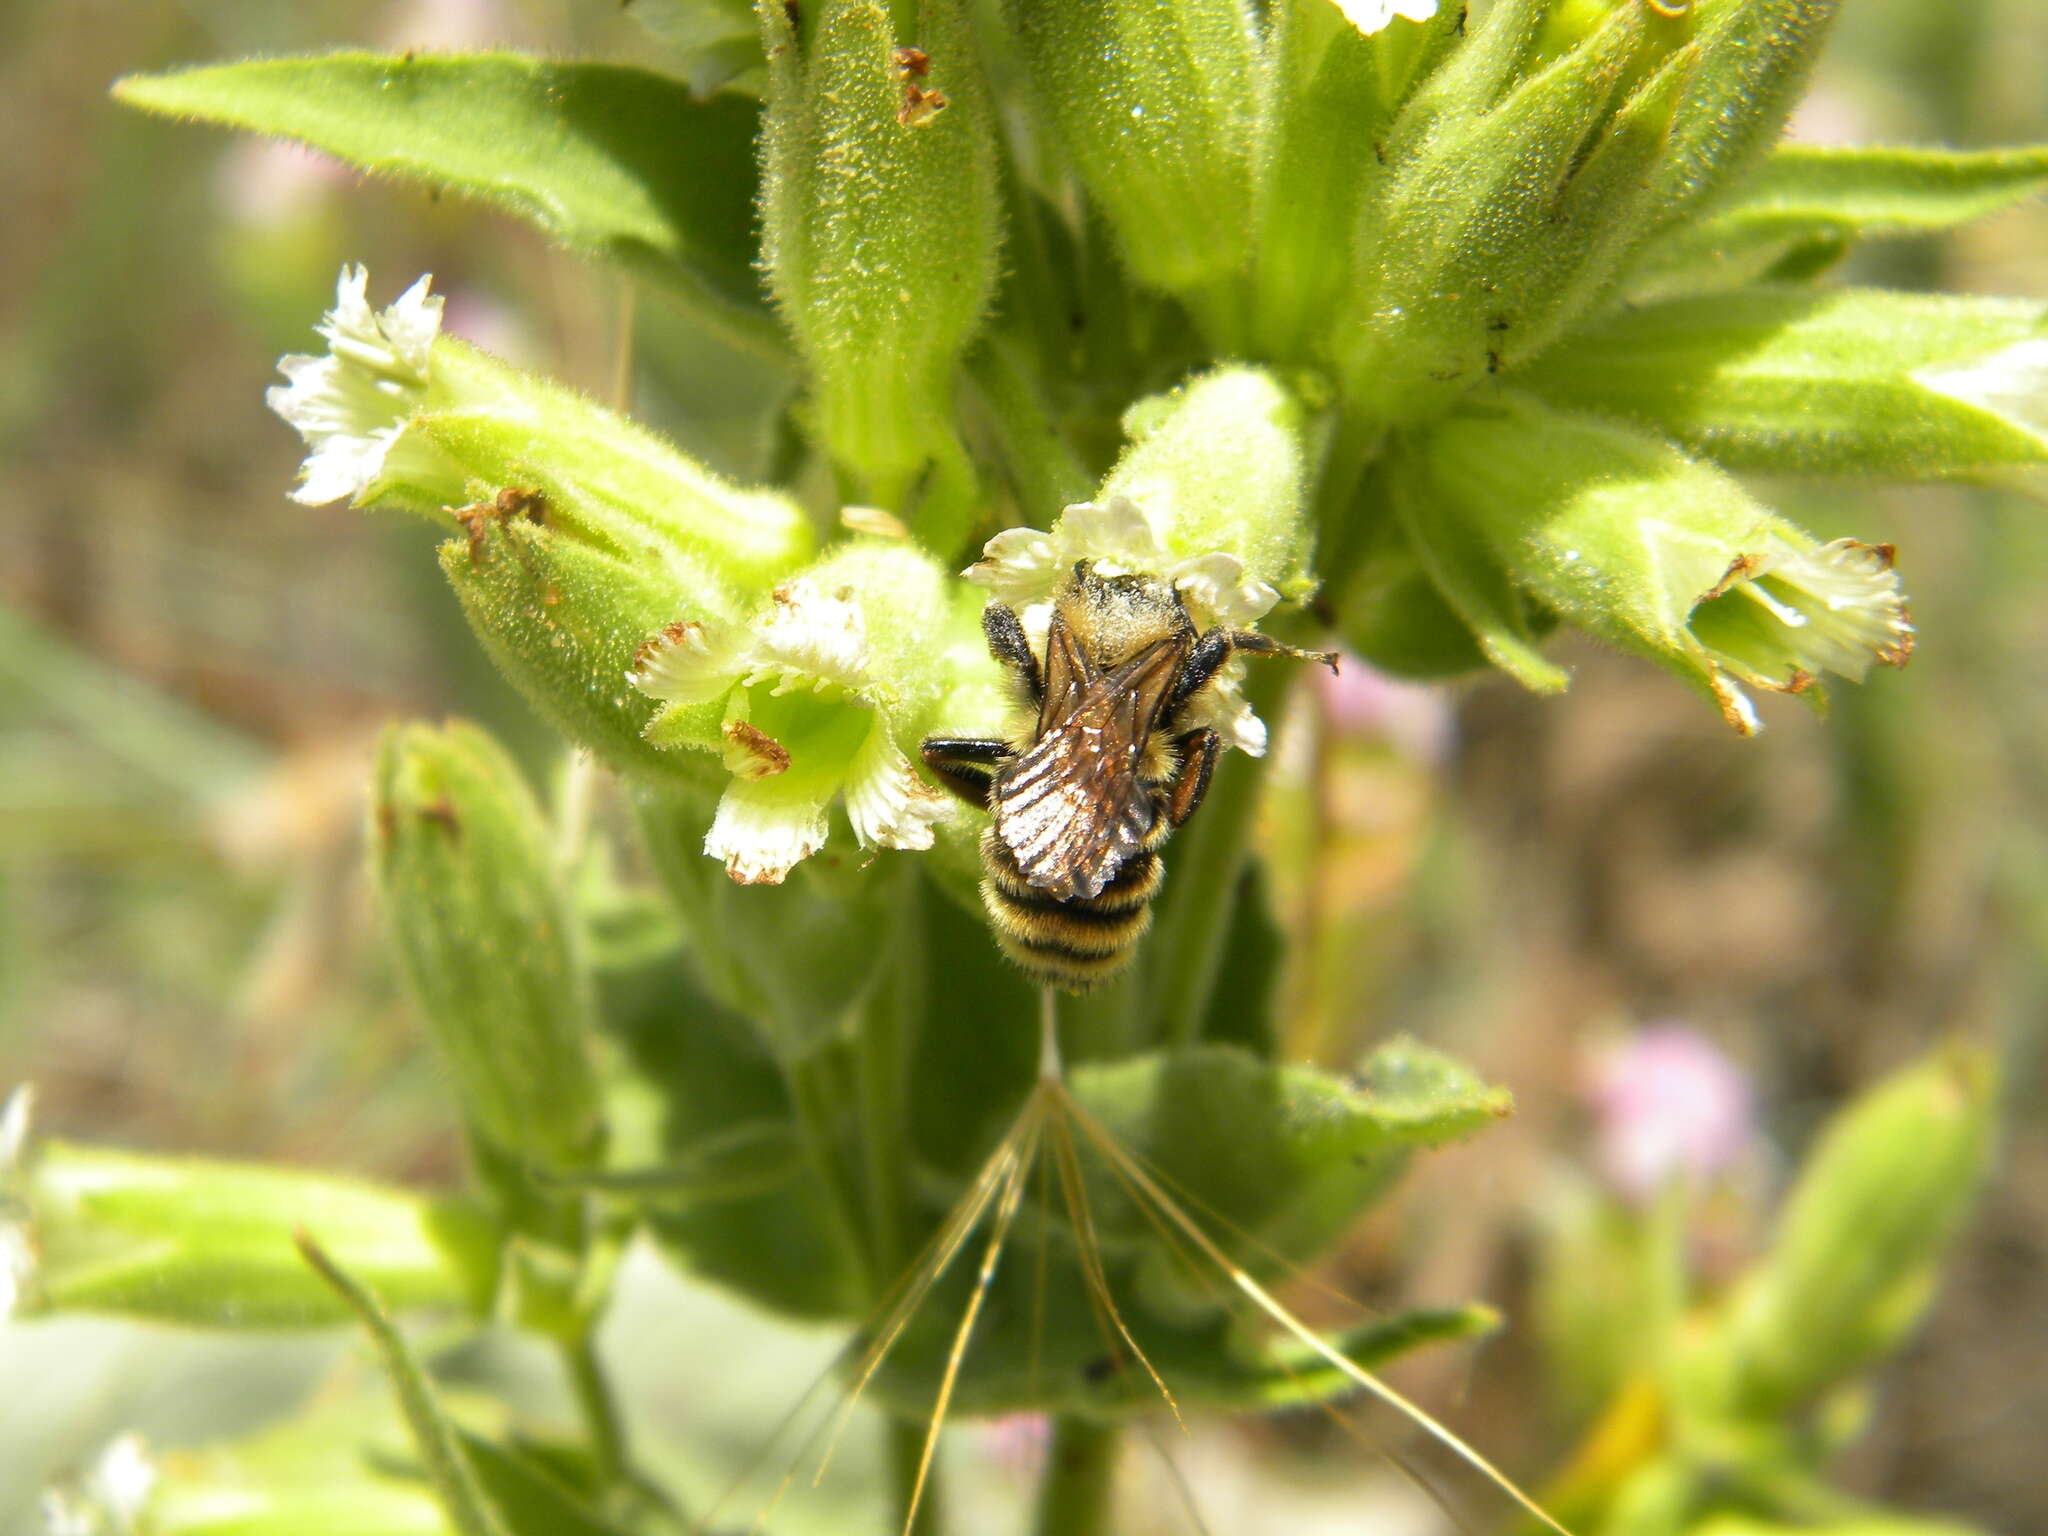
(1074, 944)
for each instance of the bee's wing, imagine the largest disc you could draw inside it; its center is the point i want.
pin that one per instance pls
(1068, 673)
(1072, 808)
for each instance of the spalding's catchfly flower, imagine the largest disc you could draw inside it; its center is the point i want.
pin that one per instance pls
(351, 405)
(813, 696)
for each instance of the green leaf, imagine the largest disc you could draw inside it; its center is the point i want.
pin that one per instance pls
(1786, 380)
(1042, 1345)
(449, 1472)
(1478, 238)
(528, 1499)
(616, 162)
(717, 42)
(1330, 99)
(1154, 103)
(1394, 615)
(1472, 581)
(1822, 200)
(1276, 1160)
(205, 1243)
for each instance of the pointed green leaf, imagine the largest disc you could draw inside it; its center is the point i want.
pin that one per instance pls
(717, 43)
(1285, 1157)
(1822, 200)
(1852, 382)
(448, 1471)
(616, 162)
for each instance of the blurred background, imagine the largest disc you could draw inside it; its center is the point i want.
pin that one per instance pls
(1641, 923)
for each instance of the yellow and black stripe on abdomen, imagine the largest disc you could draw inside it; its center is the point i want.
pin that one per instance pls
(1078, 943)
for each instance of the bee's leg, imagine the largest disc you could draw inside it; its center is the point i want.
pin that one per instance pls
(1214, 648)
(1006, 642)
(966, 765)
(1197, 749)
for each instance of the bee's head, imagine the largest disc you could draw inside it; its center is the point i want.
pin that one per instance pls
(1119, 613)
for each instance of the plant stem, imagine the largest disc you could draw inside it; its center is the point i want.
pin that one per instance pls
(1195, 912)
(1076, 1496)
(599, 1408)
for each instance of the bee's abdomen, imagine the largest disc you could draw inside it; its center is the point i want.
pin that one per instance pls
(1077, 943)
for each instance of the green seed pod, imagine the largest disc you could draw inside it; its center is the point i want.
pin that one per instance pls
(1156, 106)
(1853, 1263)
(462, 859)
(882, 216)
(209, 1244)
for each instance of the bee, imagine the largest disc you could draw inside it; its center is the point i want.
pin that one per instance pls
(1111, 766)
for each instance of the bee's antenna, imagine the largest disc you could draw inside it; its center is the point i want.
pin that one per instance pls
(1050, 1068)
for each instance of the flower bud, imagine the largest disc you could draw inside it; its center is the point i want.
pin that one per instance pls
(463, 861)
(1156, 107)
(882, 224)
(1501, 219)
(1335, 83)
(209, 1244)
(1853, 1262)
(1629, 539)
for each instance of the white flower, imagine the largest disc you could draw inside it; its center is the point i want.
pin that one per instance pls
(808, 715)
(108, 1499)
(1369, 16)
(351, 405)
(1024, 568)
(1779, 620)
(14, 1122)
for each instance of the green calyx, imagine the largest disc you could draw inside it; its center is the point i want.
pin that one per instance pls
(882, 226)
(466, 867)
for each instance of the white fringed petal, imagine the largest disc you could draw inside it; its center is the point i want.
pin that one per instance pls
(1370, 16)
(888, 804)
(810, 637)
(690, 663)
(761, 831)
(351, 404)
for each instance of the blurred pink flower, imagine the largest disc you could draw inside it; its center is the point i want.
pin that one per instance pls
(478, 318)
(1016, 1442)
(1669, 1106)
(1361, 700)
